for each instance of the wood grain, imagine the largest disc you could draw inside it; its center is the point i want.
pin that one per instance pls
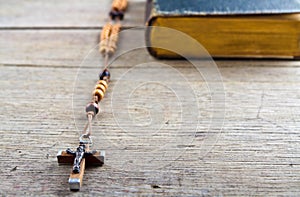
(256, 152)
(44, 92)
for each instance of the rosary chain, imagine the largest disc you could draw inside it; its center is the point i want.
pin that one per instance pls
(107, 47)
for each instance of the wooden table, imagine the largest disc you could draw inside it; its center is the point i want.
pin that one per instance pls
(45, 86)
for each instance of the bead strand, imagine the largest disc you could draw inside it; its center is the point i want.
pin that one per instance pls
(98, 93)
(109, 35)
(108, 45)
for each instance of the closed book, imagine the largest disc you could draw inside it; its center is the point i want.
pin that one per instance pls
(226, 28)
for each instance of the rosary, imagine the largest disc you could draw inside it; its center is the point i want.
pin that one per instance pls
(82, 156)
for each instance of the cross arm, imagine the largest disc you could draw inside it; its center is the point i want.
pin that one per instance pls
(95, 158)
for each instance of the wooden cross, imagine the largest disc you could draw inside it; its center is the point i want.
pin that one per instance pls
(80, 158)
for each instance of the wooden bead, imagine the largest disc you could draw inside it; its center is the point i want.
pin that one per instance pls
(103, 46)
(100, 87)
(124, 4)
(114, 38)
(104, 38)
(106, 31)
(99, 94)
(116, 5)
(92, 107)
(119, 5)
(103, 83)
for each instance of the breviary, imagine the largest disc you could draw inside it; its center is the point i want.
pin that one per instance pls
(227, 28)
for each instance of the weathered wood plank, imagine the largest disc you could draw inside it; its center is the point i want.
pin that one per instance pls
(65, 14)
(256, 153)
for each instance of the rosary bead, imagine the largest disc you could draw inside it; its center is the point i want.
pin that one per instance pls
(106, 32)
(100, 87)
(105, 75)
(120, 5)
(103, 47)
(102, 82)
(104, 38)
(112, 46)
(124, 5)
(99, 94)
(114, 14)
(92, 107)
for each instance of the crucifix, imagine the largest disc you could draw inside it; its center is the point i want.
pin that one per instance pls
(82, 156)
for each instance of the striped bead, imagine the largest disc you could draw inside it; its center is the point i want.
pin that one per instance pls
(99, 94)
(100, 87)
(103, 82)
